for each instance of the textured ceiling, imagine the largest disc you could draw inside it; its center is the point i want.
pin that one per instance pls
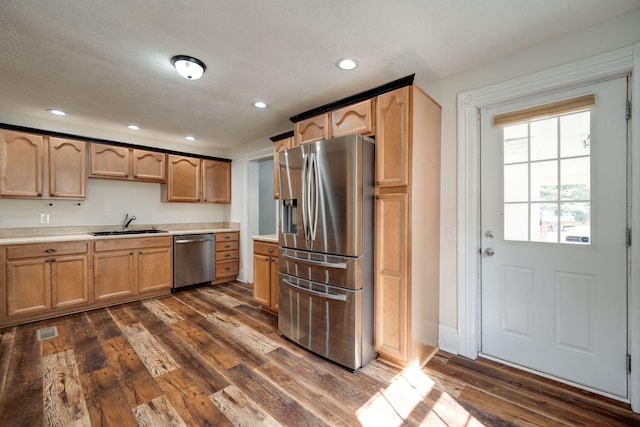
(107, 62)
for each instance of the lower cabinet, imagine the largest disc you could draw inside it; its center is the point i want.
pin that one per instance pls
(265, 275)
(227, 256)
(128, 267)
(43, 277)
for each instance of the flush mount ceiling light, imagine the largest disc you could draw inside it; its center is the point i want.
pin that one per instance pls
(57, 112)
(188, 67)
(260, 104)
(190, 138)
(133, 127)
(346, 63)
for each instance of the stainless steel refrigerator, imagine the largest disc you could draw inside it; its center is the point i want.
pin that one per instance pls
(326, 248)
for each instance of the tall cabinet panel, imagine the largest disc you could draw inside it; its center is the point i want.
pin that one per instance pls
(407, 226)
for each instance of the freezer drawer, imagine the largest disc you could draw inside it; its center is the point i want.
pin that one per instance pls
(324, 319)
(335, 270)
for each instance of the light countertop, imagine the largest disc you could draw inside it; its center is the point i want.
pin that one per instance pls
(86, 236)
(271, 238)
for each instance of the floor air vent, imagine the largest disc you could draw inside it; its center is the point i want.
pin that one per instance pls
(46, 333)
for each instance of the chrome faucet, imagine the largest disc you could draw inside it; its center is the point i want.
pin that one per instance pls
(127, 221)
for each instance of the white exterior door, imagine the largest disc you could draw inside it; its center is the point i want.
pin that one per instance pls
(554, 255)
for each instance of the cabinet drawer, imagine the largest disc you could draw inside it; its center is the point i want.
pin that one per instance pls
(227, 268)
(227, 237)
(118, 244)
(226, 255)
(46, 249)
(263, 248)
(226, 246)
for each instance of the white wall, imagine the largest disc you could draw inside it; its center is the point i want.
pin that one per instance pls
(613, 34)
(107, 203)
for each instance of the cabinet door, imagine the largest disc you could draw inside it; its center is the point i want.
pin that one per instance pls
(154, 269)
(273, 283)
(262, 279)
(69, 280)
(109, 161)
(149, 165)
(356, 118)
(113, 275)
(391, 290)
(278, 147)
(183, 179)
(21, 164)
(392, 138)
(216, 181)
(27, 286)
(313, 129)
(67, 168)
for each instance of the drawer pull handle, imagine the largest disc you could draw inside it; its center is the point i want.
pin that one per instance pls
(270, 250)
(50, 251)
(227, 255)
(227, 237)
(227, 269)
(227, 247)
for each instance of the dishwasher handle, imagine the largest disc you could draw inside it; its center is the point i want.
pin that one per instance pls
(208, 239)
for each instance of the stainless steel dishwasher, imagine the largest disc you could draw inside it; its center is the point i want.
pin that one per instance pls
(193, 259)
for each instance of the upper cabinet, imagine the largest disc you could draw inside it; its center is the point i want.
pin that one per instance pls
(197, 180)
(356, 118)
(115, 162)
(279, 146)
(67, 168)
(392, 139)
(37, 166)
(312, 129)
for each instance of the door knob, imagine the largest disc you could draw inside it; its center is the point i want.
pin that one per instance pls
(489, 252)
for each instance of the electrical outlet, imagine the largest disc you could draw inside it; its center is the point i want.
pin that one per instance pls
(44, 218)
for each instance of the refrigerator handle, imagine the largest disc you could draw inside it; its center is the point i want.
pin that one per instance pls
(340, 265)
(320, 294)
(313, 196)
(305, 202)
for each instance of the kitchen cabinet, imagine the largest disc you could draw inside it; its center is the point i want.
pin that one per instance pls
(227, 256)
(407, 226)
(312, 129)
(190, 179)
(38, 166)
(216, 181)
(132, 266)
(115, 162)
(43, 277)
(356, 118)
(279, 146)
(265, 275)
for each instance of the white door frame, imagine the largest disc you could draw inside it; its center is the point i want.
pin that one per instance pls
(611, 64)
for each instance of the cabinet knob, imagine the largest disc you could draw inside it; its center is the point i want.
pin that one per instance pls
(53, 260)
(377, 183)
(270, 250)
(46, 260)
(130, 253)
(377, 197)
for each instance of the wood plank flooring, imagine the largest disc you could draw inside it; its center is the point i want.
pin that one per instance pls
(211, 357)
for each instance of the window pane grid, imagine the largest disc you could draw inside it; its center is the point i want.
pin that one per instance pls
(547, 187)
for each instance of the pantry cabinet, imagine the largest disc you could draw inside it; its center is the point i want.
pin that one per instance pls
(38, 166)
(407, 226)
(43, 277)
(265, 275)
(115, 162)
(133, 266)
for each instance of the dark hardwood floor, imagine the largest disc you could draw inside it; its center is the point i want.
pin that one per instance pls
(210, 356)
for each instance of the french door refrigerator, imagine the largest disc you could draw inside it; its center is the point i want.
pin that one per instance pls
(326, 248)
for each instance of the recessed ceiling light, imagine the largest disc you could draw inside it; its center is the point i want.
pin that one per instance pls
(260, 104)
(188, 67)
(190, 138)
(346, 63)
(133, 127)
(57, 112)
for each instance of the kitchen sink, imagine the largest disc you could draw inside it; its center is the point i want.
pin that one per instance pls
(123, 232)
